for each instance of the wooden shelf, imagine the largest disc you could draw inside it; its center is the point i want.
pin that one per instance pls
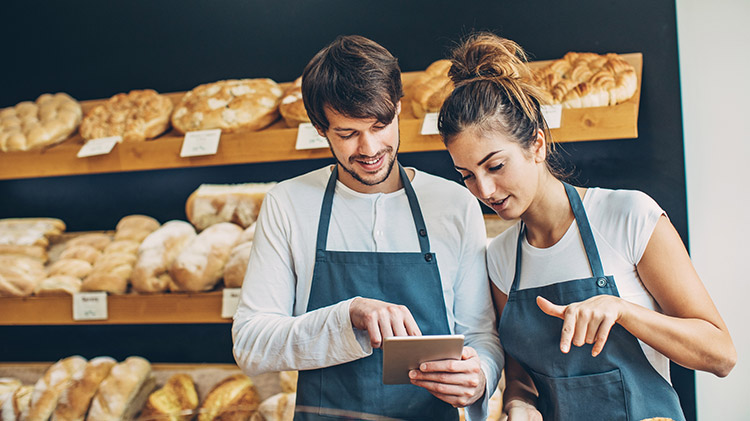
(122, 309)
(277, 143)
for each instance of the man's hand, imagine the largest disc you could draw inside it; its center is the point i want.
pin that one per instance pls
(382, 320)
(522, 411)
(458, 382)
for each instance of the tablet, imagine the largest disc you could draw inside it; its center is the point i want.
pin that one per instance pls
(404, 353)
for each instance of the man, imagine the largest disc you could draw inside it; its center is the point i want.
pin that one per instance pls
(347, 255)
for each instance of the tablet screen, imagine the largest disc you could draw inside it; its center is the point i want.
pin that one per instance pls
(404, 353)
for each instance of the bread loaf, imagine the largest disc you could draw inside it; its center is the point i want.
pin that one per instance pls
(58, 285)
(176, 401)
(232, 399)
(48, 389)
(47, 226)
(122, 246)
(98, 241)
(248, 234)
(31, 125)
(156, 254)
(234, 271)
(71, 267)
(37, 252)
(292, 108)
(19, 275)
(136, 116)
(214, 203)
(431, 88)
(200, 265)
(279, 407)
(82, 252)
(137, 222)
(105, 282)
(288, 380)
(8, 387)
(122, 393)
(75, 399)
(14, 406)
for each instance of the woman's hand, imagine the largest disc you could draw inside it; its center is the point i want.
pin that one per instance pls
(522, 411)
(585, 322)
(457, 382)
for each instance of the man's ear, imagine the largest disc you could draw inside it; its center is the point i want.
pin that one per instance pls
(398, 107)
(320, 132)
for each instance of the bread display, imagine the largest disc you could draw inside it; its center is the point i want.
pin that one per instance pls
(234, 271)
(176, 401)
(200, 265)
(292, 108)
(279, 407)
(14, 406)
(431, 88)
(48, 389)
(214, 203)
(581, 80)
(122, 393)
(28, 236)
(75, 399)
(233, 399)
(31, 125)
(136, 116)
(58, 285)
(157, 253)
(110, 273)
(229, 105)
(19, 275)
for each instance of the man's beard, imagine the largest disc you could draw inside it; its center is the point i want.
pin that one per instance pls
(357, 177)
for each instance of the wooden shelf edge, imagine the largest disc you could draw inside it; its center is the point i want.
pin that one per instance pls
(277, 143)
(175, 308)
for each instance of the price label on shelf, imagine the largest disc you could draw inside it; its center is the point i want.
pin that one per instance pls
(430, 124)
(100, 146)
(553, 115)
(229, 301)
(200, 142)
(308, 138)
(90, 306)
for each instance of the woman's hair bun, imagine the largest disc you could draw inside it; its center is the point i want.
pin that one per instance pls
(487, 56)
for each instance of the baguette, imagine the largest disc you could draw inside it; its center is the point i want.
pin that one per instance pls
(75, 400)
(122, 393)
(48, 389)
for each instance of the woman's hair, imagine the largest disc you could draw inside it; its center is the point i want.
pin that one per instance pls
(493, 93)
(353, 76)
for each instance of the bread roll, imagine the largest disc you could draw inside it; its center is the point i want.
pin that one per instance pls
(58, 285)
(97, 240)
(105, 282)
(137, 222)
(279, 407)
(36, 252)
(234, 271)
(82, 252)
(176, 401)
(48, 226)
(123, 392)
(156, 254)
(75, 400)
(232, 399)
(200, 265)
(122, 246)
(19, 275)
(48, 389)
(214, 203)
(14, 407)
(71, 267)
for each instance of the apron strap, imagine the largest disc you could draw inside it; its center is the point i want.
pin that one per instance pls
(517, 274)
(592, 252)
(325, 213)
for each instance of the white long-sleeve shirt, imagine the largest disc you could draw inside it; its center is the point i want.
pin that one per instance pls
(272, 330)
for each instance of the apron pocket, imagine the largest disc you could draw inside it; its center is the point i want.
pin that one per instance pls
(598, 396)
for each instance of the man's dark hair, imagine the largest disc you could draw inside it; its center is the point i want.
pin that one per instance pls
(355, 77)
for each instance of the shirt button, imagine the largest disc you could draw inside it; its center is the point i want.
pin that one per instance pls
(428, 257)
(423, 232)
(601, 282)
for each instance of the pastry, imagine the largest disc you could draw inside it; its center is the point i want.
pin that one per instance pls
(229, 105)
(31, 125)
(136, 116)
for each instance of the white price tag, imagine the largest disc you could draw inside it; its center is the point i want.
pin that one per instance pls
(229, 301)
(552, 114)
(308, 138)
(430, 124)
(100, 146)
(90, 306)
(200, 142)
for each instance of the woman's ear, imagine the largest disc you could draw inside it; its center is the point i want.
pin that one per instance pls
(539, 147)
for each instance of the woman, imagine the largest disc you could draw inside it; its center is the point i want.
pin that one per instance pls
(594, 289)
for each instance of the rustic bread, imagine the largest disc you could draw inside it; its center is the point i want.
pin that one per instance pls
(156, 254)
(122, 393)
(233, 399)
(19, 275)
(229, 105)
(176, 401)
(200, 264)
(122, 246)
(75, 399)
(49, 387)
(96, 240)
(234, 271)
(45, 122)
(82, 252)
(58, 285)
(292, 108)
(14, 406)
(137, 222)
(71, 267)
(8, 387)
(136, 116)
(214, 203)
(431, 89)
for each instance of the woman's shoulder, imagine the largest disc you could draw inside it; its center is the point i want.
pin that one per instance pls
(505, 241)
(620, 203)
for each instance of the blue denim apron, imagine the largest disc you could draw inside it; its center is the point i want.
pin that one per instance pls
(410, 279)
(619, 384)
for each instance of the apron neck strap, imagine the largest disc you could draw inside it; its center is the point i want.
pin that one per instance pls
(416, 211)
(592, 252)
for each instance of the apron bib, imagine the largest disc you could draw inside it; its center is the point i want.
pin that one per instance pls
(410, 279)
(619, 384)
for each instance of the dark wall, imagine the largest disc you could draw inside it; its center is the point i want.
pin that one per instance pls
(94, 49)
